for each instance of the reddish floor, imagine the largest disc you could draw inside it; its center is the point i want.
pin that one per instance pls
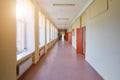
(61, 63)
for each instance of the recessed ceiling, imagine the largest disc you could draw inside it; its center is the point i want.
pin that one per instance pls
(63, 12)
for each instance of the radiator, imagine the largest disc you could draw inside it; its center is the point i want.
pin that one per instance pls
(42, 52)
(23, 67)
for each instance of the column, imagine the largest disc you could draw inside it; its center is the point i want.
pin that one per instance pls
(36, 55)
(46, 35)
(7, 39)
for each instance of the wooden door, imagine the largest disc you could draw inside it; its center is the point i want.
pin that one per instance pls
(79, 41)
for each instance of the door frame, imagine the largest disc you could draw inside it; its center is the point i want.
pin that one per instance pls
(84, 40)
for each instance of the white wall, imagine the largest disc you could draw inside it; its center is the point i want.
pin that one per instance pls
(75, 25)
(103, 42)
(74, 39)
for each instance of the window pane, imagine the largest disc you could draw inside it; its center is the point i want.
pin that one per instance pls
(20, 36)
(29, 20)
(30, 36)
(51, 32)
(25, 25)
(20, 9)
(42, 30)
(48, 27)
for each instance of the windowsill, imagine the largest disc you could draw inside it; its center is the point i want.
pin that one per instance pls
(41, 46)
(24, 54)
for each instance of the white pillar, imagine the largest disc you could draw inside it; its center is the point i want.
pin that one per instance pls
(46, 35)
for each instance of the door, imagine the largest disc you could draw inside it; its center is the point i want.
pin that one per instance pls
(66, 36)
(70, 37)
(79, 41)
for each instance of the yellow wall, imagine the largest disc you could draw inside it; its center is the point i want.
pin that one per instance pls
(76, 24)
(7, 40)
(36, 19)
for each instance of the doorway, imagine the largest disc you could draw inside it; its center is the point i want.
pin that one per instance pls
(79, 41)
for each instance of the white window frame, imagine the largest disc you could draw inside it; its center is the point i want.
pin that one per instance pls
(23, 19)
(41, 30)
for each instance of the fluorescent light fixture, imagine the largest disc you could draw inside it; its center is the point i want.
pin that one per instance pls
(63, 18)
(63, 4)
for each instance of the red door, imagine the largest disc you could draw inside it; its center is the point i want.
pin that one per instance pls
(66, 36)
(79, 41)
(84, 40)
(70, 37)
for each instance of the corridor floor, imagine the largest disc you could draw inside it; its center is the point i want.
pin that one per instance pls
(61, 63)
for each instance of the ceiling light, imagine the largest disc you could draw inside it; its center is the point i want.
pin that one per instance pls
(63, 4)
(63, 18)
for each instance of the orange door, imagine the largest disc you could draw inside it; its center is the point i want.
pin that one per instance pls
(84, 40)
(70, 37)
(66, 36)
(79, 41)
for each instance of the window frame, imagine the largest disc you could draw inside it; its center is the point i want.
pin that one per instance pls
(22, 19)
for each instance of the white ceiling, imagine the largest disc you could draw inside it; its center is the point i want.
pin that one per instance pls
(65, 13)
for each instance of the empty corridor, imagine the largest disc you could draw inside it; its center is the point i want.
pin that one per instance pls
(61, 63)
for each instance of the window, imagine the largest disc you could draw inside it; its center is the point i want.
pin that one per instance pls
(56, 34)
(48, 27)
(25, 25)
(41, 29)
(51, 32)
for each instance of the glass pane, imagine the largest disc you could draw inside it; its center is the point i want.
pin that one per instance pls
(51, 32)
(20, 9)
(29, 20)
(25, 25)
(20, 36)
(48, 27)
(41, 30)
(30, 36)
